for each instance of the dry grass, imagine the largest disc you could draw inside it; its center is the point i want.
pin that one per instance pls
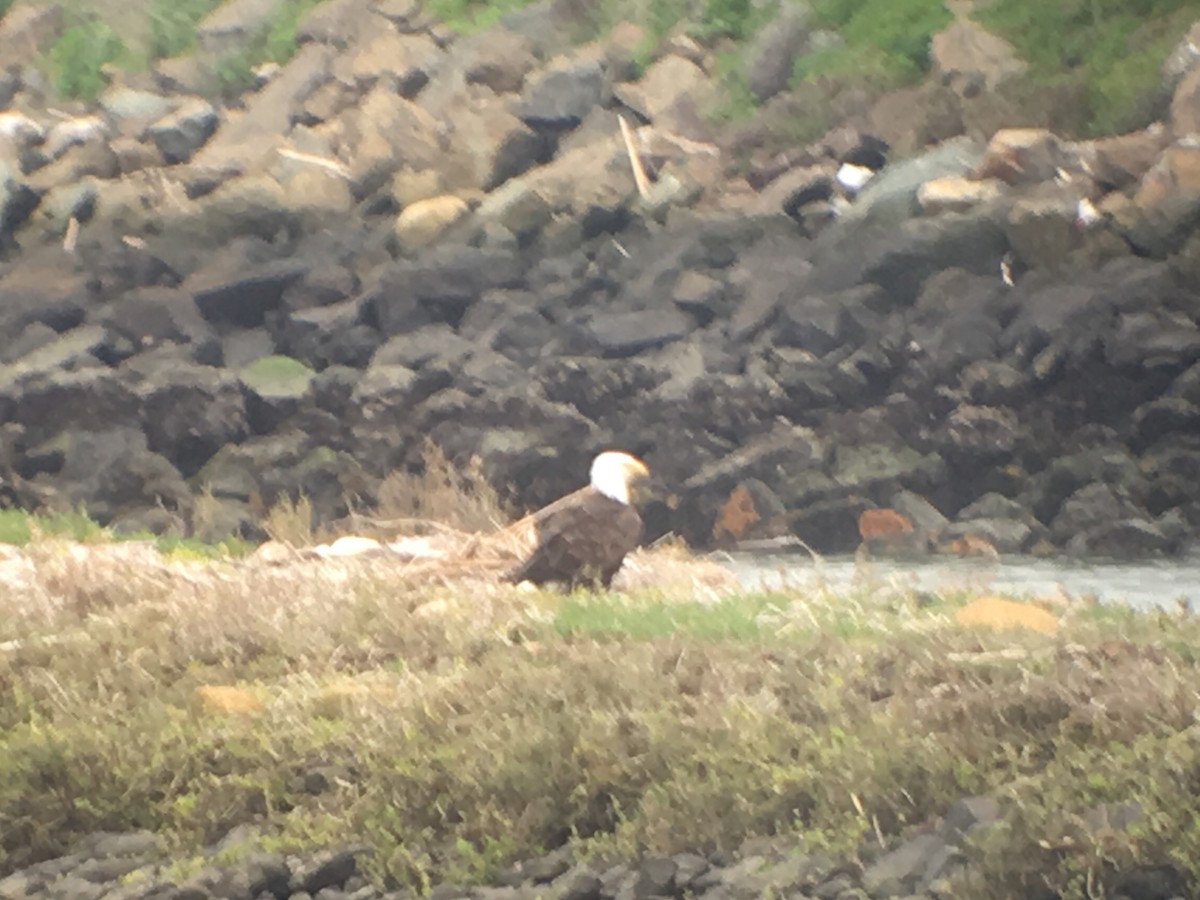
(440, 496)
(455, 724)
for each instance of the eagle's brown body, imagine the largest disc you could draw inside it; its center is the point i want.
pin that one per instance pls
(581, 540)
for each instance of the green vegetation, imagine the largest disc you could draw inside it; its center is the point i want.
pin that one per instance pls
(885, 42)
(76, 60)
(457, 727)
(235, 70)
(173, 25)
(468, 16)
(91, 42)
(1110, 49)
(19, 528)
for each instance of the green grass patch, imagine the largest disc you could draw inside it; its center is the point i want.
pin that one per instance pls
(173, 25)
(1112, 48)
(18, 527)
(76, 60)
(470, 16)
(885, 41)
(235, 70)
(731, 618)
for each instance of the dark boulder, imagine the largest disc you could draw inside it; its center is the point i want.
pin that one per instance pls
(189, 412)
(111, 470)
(333, 335)
(623, 334)
(90, 399)
(563, 95)
(901, 258)
(243, 296)
(43, 293)
(440, 286)
(155, 316)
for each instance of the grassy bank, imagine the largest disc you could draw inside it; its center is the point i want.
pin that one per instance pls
(458, 727)
(1094, 65)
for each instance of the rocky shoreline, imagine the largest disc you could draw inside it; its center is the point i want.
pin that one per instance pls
(401, 236)
(929, 865)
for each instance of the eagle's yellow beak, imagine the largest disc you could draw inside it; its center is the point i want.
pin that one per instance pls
(637, 477)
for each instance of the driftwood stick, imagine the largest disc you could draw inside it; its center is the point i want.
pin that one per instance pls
(635, 161)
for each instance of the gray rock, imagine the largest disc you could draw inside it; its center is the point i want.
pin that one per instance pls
(88, 399)
(325, 870)
(517, 207)
(236, 25)
(76, 349)
(133, 109)
(862, 466)
(771, 55)
(980, 433)
(42, 292)
(185, 130)
(926, 517)
(156, 317)
(903, 870)
(628, 333)
(239, 297)
(1095, 503)
(33, 336)
(1133, 538)
(18, 199)
(820, 324)
(699, 295)
(966, 816)
(518, 151)
(334, 335)
(583, 886)
(417, 348)
(562, 95)
(772, 270)
(1005, 535)
(1162, 419)
(545, 869)
(110, 470)
(189, 412)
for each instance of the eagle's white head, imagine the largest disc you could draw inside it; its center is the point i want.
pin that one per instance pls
(613, 471)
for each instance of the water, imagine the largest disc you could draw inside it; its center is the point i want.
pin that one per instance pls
(1144, 585)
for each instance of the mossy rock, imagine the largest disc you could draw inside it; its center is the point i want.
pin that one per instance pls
(277, 376)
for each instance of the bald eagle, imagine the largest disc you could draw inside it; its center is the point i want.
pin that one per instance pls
(582, 538)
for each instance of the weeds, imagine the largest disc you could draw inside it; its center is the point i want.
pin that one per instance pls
(461, 498)
(456, 728)
(173, 25)
(468, 16)
(1111, 48)
(78, 57)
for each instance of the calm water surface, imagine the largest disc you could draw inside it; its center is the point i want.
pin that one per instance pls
(1142, 584)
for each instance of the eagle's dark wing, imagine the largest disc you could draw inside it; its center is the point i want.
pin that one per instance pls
(581, 539)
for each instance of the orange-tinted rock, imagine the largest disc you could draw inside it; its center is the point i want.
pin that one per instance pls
(884, 525)
(735, 517)
(970, 545)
